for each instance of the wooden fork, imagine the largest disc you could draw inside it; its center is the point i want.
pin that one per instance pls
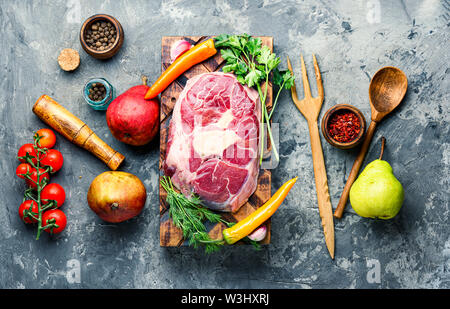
(310, 108)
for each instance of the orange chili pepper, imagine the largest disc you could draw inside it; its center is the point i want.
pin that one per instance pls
(251, 222)
(196, 54)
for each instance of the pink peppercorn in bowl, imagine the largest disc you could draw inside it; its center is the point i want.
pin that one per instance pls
(343, 126)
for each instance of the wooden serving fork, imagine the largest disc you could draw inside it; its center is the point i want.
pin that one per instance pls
(310, 108)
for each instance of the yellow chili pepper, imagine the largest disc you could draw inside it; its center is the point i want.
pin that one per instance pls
(196, 54)
(250, 223)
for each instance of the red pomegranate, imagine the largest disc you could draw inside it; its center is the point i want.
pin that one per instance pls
(132, 119)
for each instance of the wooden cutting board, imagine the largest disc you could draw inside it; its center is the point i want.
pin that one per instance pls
(170, 235)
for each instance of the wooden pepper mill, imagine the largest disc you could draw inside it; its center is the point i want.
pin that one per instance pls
(75, 130)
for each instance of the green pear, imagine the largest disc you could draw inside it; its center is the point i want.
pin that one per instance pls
(377, 193)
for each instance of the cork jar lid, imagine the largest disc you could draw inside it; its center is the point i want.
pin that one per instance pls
(69, 59)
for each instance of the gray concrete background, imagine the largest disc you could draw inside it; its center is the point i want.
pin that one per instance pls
(352, 40)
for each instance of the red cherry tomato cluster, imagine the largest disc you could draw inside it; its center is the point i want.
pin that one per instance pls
(42, 199)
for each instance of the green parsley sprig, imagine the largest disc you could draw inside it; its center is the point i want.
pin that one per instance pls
(252, 64)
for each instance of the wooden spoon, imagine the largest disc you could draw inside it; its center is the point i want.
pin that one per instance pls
(386, 91)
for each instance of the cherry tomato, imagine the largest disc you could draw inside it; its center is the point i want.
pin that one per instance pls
(22, 169)
(34, 177)
(60, 220)
(48, 138)
(53, 191)
(27, 148)
(30, 205)
(53, 158)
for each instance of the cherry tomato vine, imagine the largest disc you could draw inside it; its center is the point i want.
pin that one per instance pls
(35, 208)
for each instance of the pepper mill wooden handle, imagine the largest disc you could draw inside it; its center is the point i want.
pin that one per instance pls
(75, 130)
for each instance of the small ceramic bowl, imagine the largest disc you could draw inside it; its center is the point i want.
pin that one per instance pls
(340, 108)
(107, 53)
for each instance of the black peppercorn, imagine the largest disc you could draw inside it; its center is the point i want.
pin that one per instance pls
(97, 92)
(101, 36)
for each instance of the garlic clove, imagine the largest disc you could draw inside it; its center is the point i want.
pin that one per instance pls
(178, 48)
(258, 234)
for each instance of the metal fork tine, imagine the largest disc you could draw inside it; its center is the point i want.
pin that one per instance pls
(318, 79)
(305, 79)
(293, 88)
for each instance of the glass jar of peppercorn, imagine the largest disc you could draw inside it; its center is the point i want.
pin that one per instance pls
(98, 93)
(343, 126)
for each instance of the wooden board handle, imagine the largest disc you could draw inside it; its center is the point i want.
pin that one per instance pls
(355, 170)
(323, 196)
(75, 130)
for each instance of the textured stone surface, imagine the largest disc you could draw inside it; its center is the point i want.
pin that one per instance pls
(352, 41)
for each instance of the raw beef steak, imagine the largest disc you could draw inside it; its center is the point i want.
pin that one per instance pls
(212, 148)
